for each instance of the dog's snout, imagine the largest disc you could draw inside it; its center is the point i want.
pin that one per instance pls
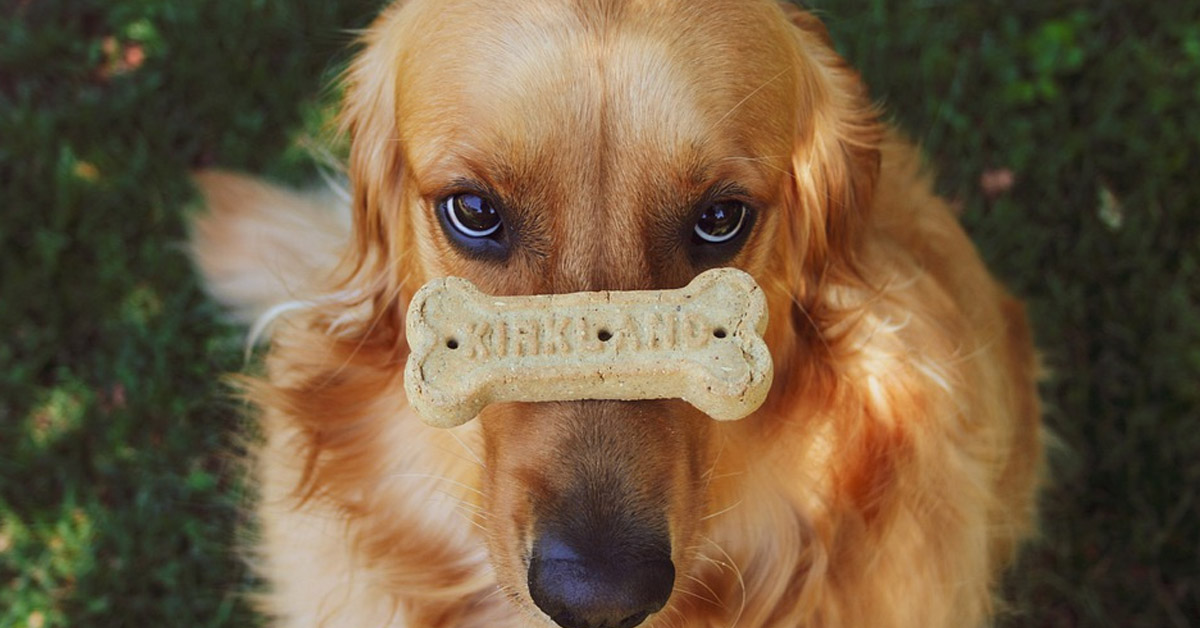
(608, 503)
(596, 585)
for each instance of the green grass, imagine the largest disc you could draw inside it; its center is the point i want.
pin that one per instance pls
(120, 493)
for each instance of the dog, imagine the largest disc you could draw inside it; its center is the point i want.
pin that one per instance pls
(554, 146)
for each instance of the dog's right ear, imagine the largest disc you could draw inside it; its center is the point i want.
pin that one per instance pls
(378, 255)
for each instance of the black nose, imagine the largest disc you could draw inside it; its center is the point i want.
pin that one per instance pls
(598, 587)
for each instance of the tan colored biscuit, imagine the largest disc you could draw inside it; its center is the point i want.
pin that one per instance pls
(701, 343)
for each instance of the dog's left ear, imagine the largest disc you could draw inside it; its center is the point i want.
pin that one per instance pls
(836, 158)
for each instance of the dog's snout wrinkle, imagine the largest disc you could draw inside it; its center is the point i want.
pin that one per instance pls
(599, 586)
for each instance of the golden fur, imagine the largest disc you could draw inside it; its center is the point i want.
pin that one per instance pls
(885, 483)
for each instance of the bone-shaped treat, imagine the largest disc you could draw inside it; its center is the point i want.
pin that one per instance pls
(701, 343)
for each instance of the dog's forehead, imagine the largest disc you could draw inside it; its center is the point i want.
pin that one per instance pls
(658, 91)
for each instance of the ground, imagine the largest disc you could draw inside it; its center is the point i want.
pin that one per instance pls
(1068, 133)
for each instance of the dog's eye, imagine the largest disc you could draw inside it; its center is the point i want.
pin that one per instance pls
(471, 215)
(720, 222)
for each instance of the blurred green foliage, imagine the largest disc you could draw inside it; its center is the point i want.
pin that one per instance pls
(120, 488)
(1095, 110)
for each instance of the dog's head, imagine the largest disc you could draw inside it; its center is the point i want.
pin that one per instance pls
(540, 147)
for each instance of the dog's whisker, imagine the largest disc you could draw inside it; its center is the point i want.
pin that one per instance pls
(722, 511)
(737, 572)
(466, 501)
(521, 604)
(454, 453)
(708, 475)
(672, 616)
(679, 618)
(432, 476)
(497, 590)
(730, 474)
(717, 458)
(716, 598)
(470, 519)
(471, 513)
(693, 594)
(469, 451)
(476, 512)
(477, 517)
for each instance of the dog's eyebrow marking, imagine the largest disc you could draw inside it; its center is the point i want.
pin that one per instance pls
(701, 343)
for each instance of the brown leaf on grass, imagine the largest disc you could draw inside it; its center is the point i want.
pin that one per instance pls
(86, 171)
(996, 181)
(119, 58)
(134, 57)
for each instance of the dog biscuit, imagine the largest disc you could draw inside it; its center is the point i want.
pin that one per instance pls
(701, 343)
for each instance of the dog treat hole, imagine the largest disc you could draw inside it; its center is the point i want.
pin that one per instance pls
(604, 335)
(719, 332)
(451, 343)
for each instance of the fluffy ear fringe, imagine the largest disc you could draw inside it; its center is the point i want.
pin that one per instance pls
(376, 164)
(836, 162)
(339, 354)
(376, 169)
(836, 159)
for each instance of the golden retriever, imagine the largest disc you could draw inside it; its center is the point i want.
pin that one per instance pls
(546, 146)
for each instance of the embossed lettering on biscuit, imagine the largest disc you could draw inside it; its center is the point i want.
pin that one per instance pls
(701, 343)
